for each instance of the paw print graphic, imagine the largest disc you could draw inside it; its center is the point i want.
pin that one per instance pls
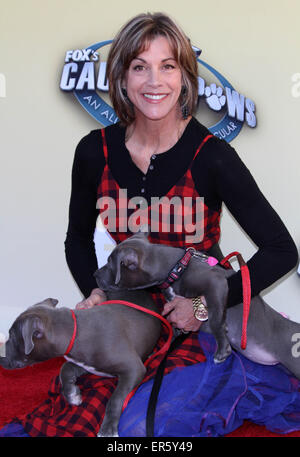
(214, 97)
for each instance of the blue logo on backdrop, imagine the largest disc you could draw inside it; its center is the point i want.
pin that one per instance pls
(79, 77)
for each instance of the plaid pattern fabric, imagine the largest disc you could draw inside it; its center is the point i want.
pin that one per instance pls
(55, 417)
(170, 224)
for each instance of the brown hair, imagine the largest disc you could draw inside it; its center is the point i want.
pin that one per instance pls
(132, 39)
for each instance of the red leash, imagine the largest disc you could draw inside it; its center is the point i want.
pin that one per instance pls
(71, 344)
(246, 292)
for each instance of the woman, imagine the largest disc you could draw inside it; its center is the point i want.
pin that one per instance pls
(159, 150)
(152, 72)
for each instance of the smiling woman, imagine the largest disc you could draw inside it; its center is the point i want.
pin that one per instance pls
(128, 50)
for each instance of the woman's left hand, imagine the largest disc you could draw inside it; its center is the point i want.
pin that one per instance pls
(181, 314)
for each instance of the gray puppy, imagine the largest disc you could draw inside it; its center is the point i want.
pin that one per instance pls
(111, 340)
(136, 263)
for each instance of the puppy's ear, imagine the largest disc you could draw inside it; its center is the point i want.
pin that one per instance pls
(129, 259)
(32, 327)
(144, 232)
(48, 302)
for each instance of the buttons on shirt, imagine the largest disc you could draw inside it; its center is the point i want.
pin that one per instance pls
(144, 178)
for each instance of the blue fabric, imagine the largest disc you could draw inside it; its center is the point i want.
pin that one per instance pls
(209, 399)
(13, 430)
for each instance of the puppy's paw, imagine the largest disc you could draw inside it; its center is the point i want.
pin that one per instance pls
(108, 429)
(75, 400)
(74, 397)
(221, 356)
(103, 435)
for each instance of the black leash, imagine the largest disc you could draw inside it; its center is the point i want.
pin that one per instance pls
(157, 384)
(216, 252)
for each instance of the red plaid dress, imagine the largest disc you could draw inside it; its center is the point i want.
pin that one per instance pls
(171, 230)
(55, 417)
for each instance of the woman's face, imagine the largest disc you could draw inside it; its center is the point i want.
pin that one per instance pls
(153, 81)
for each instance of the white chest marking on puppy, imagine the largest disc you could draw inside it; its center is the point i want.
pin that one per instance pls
(87, 368)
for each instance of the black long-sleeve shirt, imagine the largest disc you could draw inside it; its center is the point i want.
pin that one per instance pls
(219, 176)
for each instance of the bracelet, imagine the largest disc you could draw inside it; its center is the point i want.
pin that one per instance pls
(200, 310)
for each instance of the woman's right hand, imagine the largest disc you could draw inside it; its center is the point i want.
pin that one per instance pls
(97, 296)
